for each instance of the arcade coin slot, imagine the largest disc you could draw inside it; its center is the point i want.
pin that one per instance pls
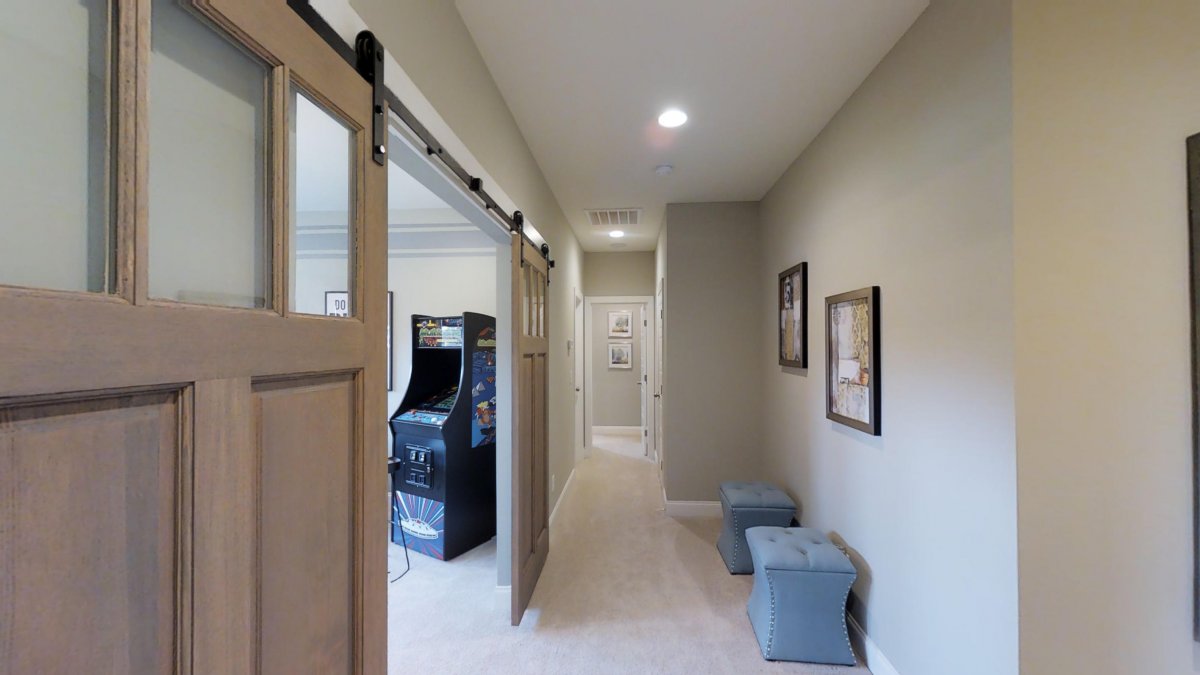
(418, 466)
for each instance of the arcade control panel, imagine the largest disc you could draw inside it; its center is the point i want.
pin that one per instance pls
(423, 417)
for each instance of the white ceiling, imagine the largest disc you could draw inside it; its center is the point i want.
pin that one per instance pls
(759, 79)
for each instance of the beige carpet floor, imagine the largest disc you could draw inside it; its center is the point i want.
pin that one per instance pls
(625, 590)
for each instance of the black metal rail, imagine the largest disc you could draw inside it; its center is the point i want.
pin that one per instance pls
(372, 70)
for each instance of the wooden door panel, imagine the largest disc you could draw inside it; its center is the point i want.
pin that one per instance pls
(522, 534)
(89, 497)
(307, 436)
(541, 471)
(531, 475)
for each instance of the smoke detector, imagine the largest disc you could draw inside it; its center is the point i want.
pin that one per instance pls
(606, 218)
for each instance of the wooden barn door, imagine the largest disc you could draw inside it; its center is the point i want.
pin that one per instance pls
(531, 471)
(191, 453)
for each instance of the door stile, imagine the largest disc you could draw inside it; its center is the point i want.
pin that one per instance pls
(280, 190)
(184, 533)
(372, 512)
(129, 159)
(520, 528)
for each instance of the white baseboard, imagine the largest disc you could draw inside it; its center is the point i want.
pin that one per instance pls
(619, 431)
(561, 497)
(678, 509)
(877, 662)
(502, 604)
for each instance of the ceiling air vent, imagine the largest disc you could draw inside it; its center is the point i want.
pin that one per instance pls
(614, 217)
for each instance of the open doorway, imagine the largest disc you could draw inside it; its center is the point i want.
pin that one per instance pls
(620, 376)
(449, 470)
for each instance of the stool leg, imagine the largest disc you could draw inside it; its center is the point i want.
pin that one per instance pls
(395, 522)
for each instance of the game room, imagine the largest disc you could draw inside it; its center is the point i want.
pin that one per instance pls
(446, 361)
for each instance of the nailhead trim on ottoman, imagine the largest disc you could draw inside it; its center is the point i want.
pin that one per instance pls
(746, 505)
(798, 604)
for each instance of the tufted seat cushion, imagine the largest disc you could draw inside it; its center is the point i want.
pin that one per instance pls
(798, 604)
(755, 495)
(746, 505)
(796, 548)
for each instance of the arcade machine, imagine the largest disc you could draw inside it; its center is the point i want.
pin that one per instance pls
(444, 438)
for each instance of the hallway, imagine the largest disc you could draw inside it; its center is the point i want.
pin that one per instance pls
(626, 590)
(624, 443)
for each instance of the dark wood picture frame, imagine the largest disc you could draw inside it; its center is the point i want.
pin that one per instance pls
(1193, 168)
(792, 275)
(873, 425)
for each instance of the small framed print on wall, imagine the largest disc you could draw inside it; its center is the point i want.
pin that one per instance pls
(337, 303)
(793, 316)
(620, 324)
(620, 355)
(852, 359)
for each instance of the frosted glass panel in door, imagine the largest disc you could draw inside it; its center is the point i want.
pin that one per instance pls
(322, 215)
(209, 223)
(55, 220)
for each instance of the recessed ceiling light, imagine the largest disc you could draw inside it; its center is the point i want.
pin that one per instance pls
(664, 169)
(672, 118)
(616, 234)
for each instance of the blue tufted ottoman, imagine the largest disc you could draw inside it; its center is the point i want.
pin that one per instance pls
(798, 605)
(747, 505)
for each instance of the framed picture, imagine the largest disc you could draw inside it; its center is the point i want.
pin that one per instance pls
(852, 359)
(337, 303)
(620, 324)
(620, 355)
(793, 316)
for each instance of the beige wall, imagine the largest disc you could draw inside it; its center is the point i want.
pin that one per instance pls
(713, 395)
(435, 49)
(1104, 95)
(909, 189)
(618, 273)
(473, 289)
(616, 396)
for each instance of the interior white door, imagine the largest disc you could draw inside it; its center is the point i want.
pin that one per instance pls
(660, 371)
(578, 376)
(644, 380)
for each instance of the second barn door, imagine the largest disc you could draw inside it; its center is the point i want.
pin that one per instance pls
(530, 445)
